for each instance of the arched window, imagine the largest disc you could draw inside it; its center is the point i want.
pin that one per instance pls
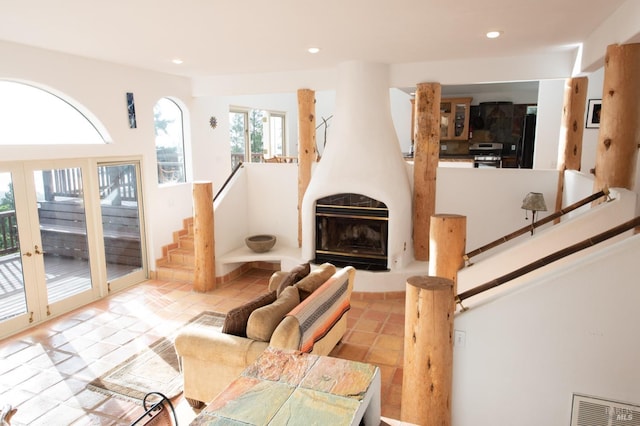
(169, 127)
(33, 116)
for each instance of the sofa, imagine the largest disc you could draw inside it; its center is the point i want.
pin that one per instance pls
(303, 310)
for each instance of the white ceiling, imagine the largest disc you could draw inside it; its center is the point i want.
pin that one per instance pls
(218, 37)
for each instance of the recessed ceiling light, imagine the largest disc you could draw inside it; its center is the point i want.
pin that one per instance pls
(313, 49)
(177, 61)
(494, 34)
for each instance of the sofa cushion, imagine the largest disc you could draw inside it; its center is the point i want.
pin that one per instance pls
(264, 320)
(283, 279)
(235, 322)
(315, 279)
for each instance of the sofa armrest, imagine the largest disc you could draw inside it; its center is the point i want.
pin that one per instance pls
(217, 348)
(210, 360)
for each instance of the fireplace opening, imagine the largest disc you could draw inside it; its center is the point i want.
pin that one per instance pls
(352, 229)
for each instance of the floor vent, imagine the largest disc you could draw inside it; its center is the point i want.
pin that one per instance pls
(592, 411)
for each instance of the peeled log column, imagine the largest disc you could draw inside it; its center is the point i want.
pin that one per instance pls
(306, 146)
(425, 164)
(203, 237)
(428, 352)
(570, 149)
(619, 136)
(447, 243)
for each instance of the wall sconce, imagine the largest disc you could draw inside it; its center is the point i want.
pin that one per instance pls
(534, 201)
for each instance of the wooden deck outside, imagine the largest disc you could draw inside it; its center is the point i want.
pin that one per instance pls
(65, 277)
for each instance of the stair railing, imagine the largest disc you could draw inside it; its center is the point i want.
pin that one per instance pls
(226, 182)
(528, 228)
(544, 261)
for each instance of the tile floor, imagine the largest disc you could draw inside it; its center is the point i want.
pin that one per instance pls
(44, 371)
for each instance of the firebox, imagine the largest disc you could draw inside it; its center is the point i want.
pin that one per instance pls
(352, 229)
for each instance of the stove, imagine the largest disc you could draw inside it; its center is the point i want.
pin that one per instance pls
(486, 154)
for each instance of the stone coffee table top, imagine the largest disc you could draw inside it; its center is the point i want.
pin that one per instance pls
(282, 386)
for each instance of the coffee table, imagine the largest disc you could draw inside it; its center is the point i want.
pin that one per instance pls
(284, 387)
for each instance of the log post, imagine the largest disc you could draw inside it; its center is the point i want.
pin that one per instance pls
(448, 238)
(619, 137)
(428, 351)
(570, 148)
(203, 237)
(307, 153)
(428, 342)
(425, 159)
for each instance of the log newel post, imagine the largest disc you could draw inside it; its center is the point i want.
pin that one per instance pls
(425, 159)
(570, 148)
(203, 237)
(307, 153)
(619, 135)
(428, 351)
(428, 342)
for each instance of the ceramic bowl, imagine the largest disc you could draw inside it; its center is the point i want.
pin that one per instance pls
(260, 243)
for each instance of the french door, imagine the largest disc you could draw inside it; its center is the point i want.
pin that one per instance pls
(58, 220)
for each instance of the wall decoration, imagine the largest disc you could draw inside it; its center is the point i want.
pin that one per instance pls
(593, 113)
(131, 109)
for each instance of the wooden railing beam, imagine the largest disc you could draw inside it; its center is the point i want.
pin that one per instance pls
(544, 261)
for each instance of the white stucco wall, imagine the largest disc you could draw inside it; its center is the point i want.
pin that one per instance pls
(569, 331)
(100, 88)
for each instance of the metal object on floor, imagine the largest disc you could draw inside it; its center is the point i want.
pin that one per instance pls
(158, 413)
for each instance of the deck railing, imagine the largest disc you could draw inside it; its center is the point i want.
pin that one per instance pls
(8, 232)
(68, 183)
(237, 158)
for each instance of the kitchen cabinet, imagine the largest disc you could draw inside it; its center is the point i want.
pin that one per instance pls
(454, 118)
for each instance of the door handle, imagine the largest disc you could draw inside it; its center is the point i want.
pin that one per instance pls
(37, 250)
(28, 254)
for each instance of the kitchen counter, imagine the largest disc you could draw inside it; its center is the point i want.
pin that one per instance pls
(456, 157)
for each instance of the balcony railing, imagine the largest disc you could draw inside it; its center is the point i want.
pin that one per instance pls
(8, 232)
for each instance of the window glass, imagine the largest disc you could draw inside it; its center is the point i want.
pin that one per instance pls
(32, 116)
(256, 135)
(168, 121)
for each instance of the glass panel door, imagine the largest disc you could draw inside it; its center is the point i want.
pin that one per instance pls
(121, 220)
(13, 300)
(63, 232)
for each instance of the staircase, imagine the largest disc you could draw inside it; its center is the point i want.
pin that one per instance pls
(178, 261)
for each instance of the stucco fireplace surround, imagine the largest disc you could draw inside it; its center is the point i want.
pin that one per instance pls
(362, 158)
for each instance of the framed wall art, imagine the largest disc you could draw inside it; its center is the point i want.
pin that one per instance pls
(131, 110)
(593, 113)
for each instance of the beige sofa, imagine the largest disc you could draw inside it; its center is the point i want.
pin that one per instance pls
(212, 359)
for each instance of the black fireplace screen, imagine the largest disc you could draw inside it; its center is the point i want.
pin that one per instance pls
(352, 229)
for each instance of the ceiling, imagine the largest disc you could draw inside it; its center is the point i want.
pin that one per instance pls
(219, 37)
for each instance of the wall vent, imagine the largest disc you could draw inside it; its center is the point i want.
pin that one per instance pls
(593, 411)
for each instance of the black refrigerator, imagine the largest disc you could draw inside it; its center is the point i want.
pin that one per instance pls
(526, 146)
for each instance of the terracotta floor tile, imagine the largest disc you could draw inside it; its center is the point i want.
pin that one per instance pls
(375, 316)
(73, 365)
(361, 338)
(61, 415)
(351, 352)
(44, 371)
(382, 356)
(87, 399)
(385, 341)
(395, 318)
(368, 325)
(393, 329)
(41, 381)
